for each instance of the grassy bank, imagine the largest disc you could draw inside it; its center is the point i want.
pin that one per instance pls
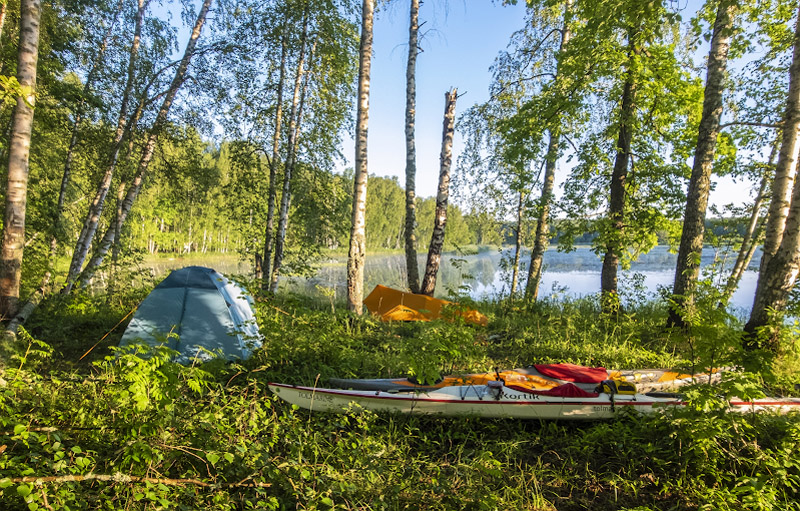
(212, 437)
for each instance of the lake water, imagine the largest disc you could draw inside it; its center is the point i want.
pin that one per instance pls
(487, 275)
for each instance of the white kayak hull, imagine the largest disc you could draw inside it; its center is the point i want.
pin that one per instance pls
(481, 401)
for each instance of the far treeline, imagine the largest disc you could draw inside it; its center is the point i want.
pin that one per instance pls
(126, 134)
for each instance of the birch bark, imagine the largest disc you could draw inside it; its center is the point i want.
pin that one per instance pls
(542, 224)
(357, 252)
(92, 219)
(412, 270)
(149, 147)
(13, 243)
(785, 173)
(273, 164)
(442, 195)
(79, 113)
(291, 158)
(691, 246)
(779, 274)
(619, 181)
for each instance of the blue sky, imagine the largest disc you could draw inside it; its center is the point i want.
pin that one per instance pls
(463, 38)
(461, 41)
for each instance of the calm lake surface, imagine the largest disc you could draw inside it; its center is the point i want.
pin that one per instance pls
(487, 275)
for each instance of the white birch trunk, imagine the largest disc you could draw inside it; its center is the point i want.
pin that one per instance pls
(691, 247)
(273, 166)
(92, 219)
(442, 195)
(291, 158)
(13, 243)
(357, 252)
(149, 148)
(412, 270)
(779, 274)
(541, 238)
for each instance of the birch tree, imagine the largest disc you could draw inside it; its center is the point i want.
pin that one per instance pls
(273, 163)
(357, 252)
(291, 158)
(619, 176)
(78, 119)
(626, 185)
(691, 245)
(149, 147)
(95, 209)
(542, 235)
(442, 195)
(412, 270)
(779, 271)
(13, 243)
(503, 141)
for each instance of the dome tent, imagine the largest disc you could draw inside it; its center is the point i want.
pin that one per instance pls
(207, 312)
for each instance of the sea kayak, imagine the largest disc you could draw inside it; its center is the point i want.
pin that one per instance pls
(497, 400)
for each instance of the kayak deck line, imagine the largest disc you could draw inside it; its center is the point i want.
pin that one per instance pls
(543, 377)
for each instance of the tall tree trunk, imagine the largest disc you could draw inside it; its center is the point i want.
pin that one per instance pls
(273, 163)
(784, 180)
(749, 243)
(542, 236)
(291, 158)
(440, 218)
(96, 207)
(412, 270)
(778, 276)
(18, 160)
(518, 245)
(149, 147)
(36, 297)
(358, 245)
(619, 181)
(691, 247)
(3, 9)
(73, 142)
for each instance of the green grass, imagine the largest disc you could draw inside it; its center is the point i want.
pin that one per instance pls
(219, 426)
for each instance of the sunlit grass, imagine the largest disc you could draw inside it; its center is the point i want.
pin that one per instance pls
(218, 424)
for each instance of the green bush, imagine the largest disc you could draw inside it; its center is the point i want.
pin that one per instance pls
(125, 431)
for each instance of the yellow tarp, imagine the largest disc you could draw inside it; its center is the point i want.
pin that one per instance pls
(394, 305)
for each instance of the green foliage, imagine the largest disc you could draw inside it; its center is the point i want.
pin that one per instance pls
(212, 437)
(444, 346)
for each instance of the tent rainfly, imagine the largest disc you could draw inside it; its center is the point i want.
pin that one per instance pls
(206, 312)
(395, 305)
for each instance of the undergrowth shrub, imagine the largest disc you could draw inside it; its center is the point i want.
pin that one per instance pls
(134, 430)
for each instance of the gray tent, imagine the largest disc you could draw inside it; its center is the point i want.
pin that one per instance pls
(206, 311)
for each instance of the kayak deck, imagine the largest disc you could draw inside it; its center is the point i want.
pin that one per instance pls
(542, 377)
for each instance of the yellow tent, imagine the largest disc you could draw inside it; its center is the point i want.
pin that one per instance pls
(394, 305)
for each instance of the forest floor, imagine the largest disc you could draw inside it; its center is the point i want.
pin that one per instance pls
(116, 431)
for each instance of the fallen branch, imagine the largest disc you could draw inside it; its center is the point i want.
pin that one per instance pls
(123, 478)
(108, 333)
(288, 314)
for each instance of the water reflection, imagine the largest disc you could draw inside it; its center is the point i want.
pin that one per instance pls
(486, 275)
